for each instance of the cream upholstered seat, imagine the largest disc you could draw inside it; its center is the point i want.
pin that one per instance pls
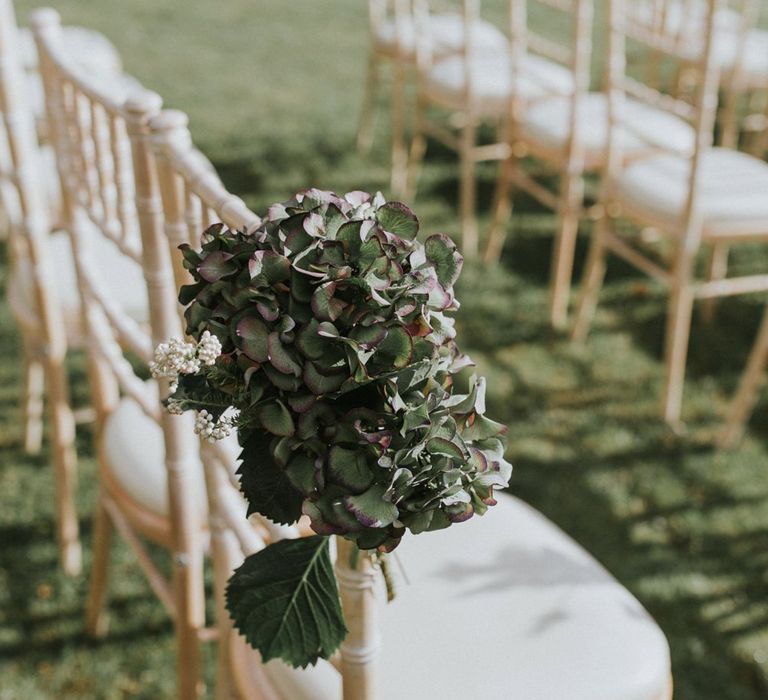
(134, 453)
(732, 190)
(122, 280)
(446, 33)
(491, 79)
(505, 606)
(754, 57)
(547, 123)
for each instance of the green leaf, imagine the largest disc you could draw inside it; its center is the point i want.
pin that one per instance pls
(280, 358)
(264, 484)
(324, 306)
(395, 217)
(445, 258)
(396, 349)
(285, 601)
(252, 337)
(276, 418)
(301, 473)
(349, 468)
(319, 383)
(370, 508)
(216, 265)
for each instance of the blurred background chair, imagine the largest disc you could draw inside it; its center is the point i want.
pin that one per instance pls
(32, 291)
(474, 86)
(712, 197)
(395, 31)
(569, 134)
(744, 400)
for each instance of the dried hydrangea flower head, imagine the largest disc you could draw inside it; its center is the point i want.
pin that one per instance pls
(327, 329)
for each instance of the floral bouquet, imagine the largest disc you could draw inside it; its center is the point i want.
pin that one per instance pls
(323, 338)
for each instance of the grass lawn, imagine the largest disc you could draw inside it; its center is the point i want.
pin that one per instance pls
(273, 91)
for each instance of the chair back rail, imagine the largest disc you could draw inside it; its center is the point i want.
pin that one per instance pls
(84, 149)
(660, 38)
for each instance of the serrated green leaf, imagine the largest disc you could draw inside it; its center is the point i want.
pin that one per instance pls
(285, 601)
(264, 484)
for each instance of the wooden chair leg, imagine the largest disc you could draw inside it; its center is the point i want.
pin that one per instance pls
(716, 270)
(467, 193)
(95, 614)
(502, 202)
(34, 387)
(368, 111)
(592, 281)
(729, 135)
(62, 424)
(190, 618)
(744, 400)
(571, 198)
(399, 176)
(678, 330)
(417, 150)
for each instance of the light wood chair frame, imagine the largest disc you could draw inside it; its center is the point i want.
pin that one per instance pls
(402, 64)
(461, 133)
(689, 236)
(115, 188)
(570, 163)
(44, 338)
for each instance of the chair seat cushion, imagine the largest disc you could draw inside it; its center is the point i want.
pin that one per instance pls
(507, 606)
(134, 451)
(122, 279)
(446, 35)
(732, 191)
(754, 56)
(547, 122)
(492, 81)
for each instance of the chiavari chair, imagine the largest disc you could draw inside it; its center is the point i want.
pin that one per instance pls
(394, 34)
(568, 134)
(471, 87)
(42, 289)
(712, 197)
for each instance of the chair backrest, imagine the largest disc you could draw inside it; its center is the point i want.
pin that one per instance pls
(654, 42)
(111, 197)
(22, 191)
(193, 198)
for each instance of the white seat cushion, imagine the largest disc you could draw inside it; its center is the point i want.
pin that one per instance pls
(121, 278)
(446, 35)
(492, 83)
(135, 455)
(754, 58)
(507, 606)
(547, 122)
(733, 190)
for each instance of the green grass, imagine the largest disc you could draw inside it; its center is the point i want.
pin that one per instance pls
(273, 91)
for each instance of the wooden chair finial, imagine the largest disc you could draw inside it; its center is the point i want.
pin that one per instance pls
(143, 102)
(44, 19)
